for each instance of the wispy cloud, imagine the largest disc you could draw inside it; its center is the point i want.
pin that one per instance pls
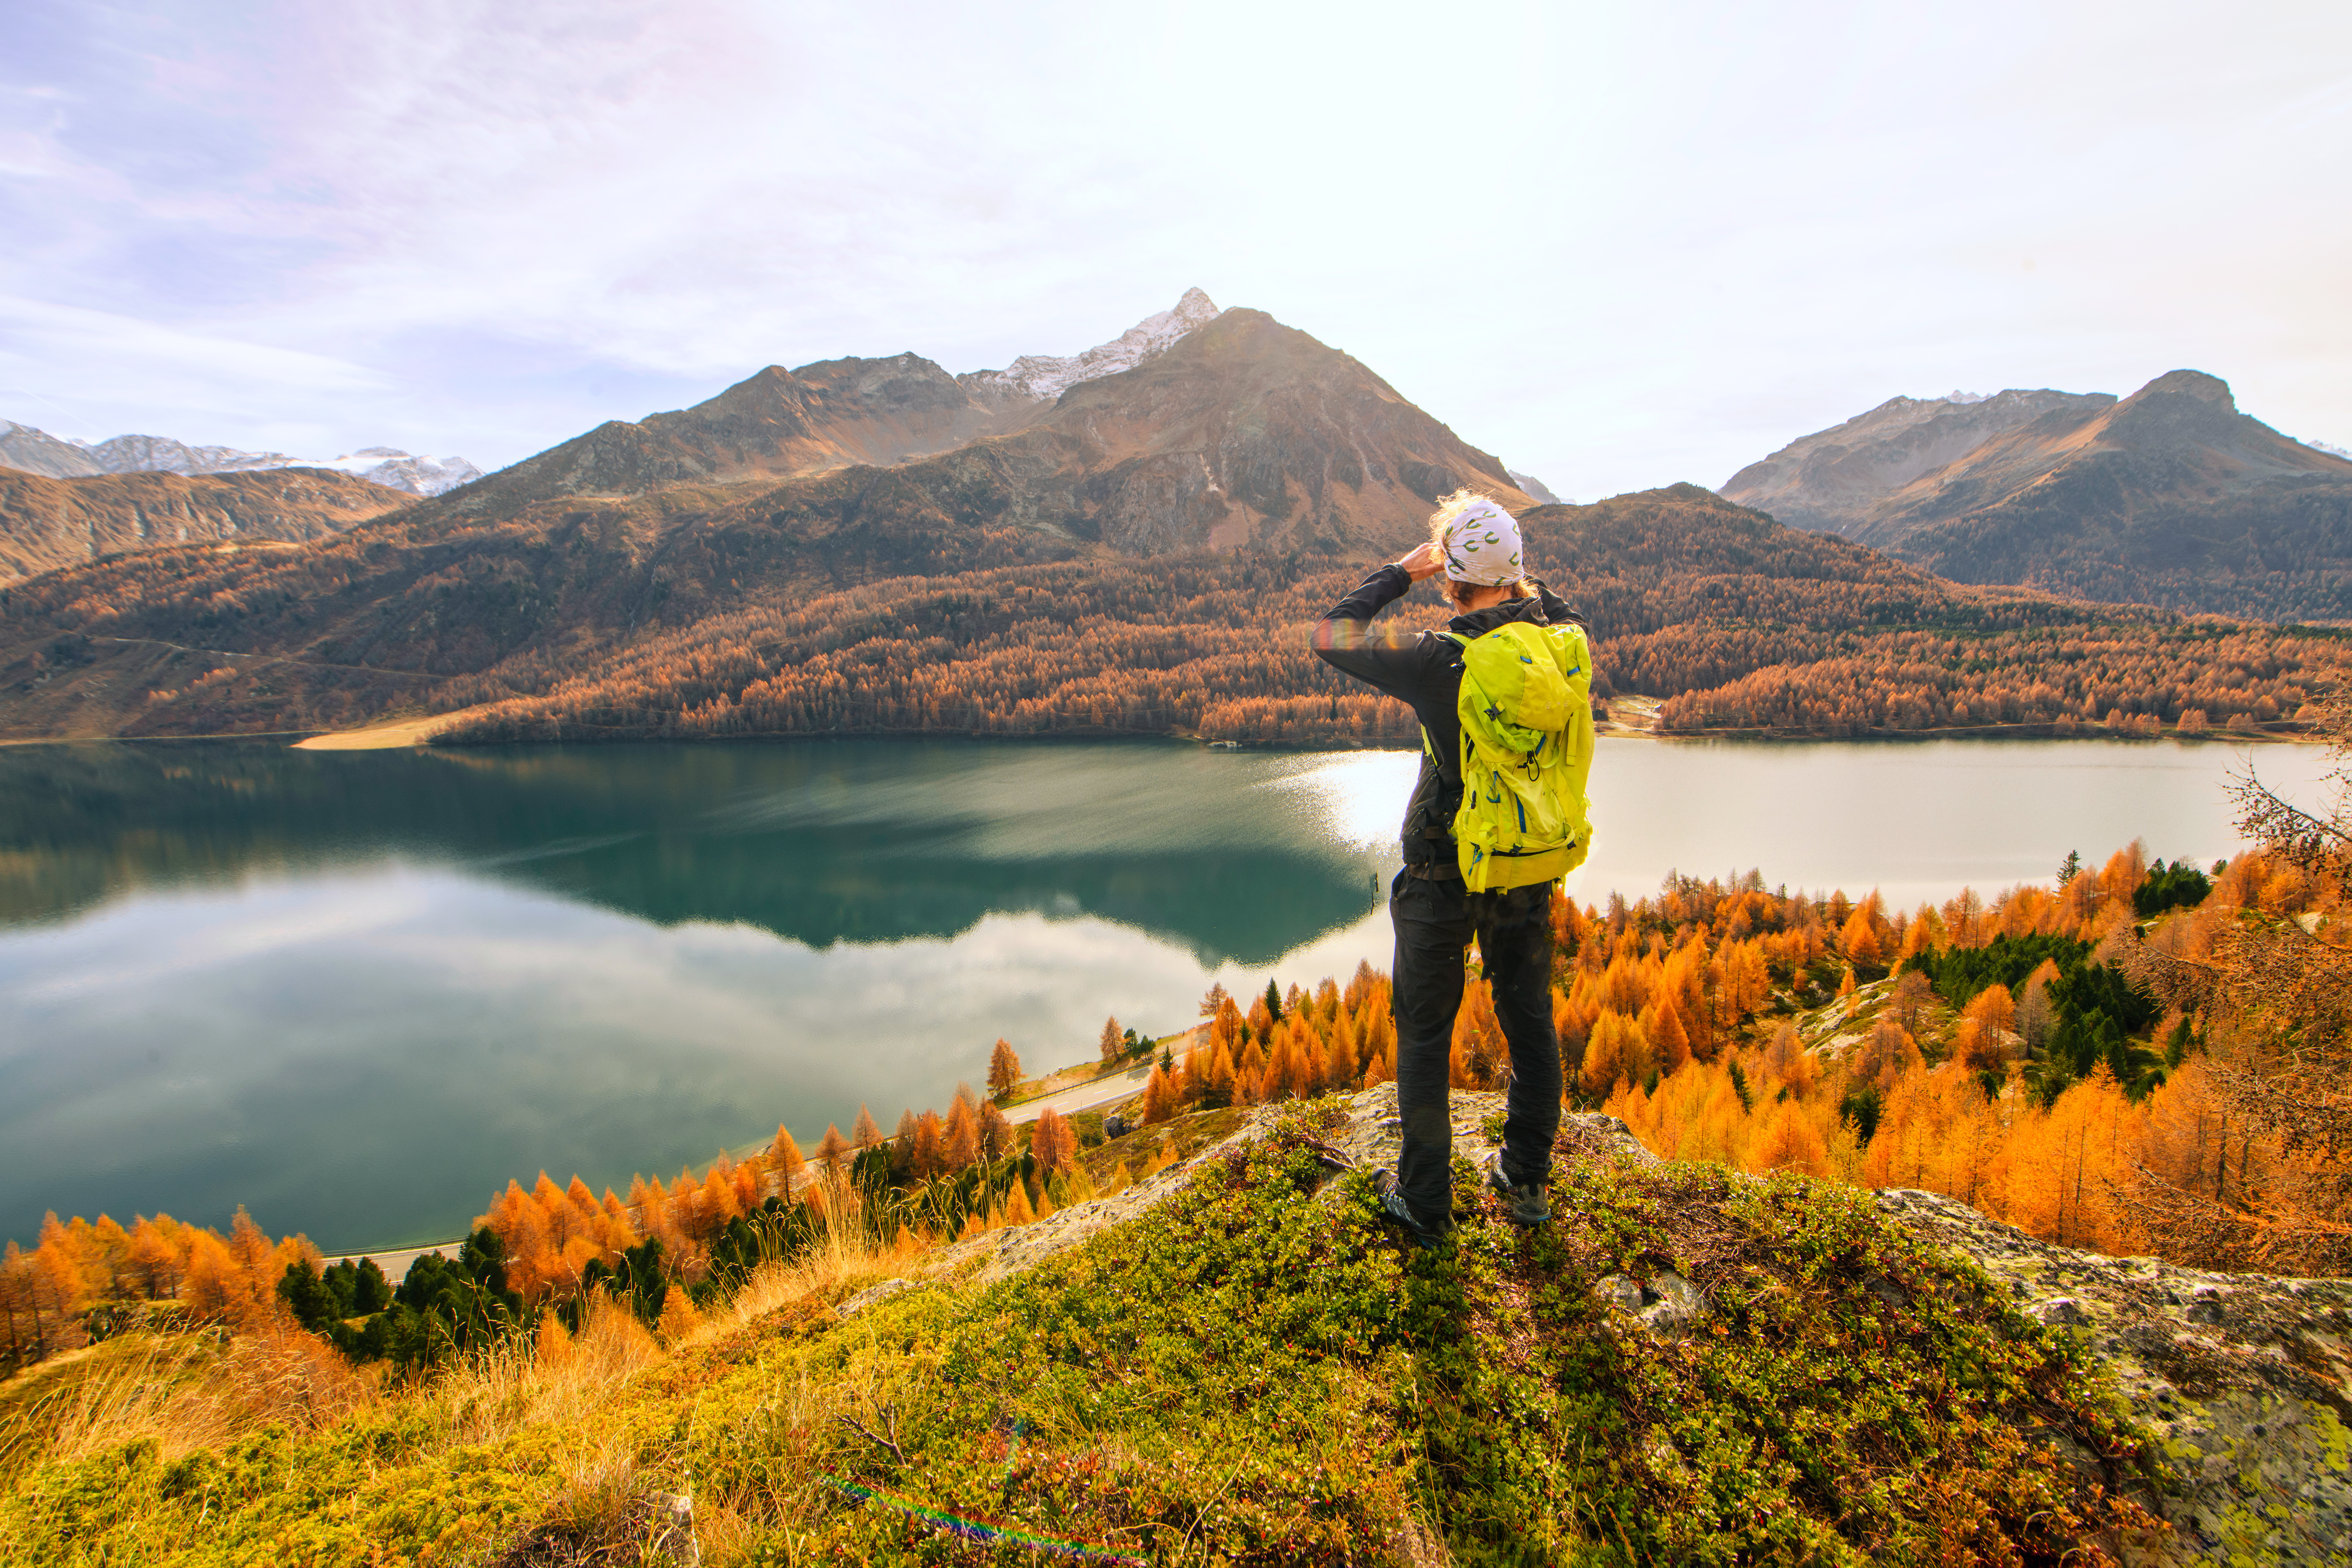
(1623, 245)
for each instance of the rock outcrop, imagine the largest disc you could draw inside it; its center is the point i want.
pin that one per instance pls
(2245, 1379)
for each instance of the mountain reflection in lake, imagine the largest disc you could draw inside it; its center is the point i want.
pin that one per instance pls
(356, 992)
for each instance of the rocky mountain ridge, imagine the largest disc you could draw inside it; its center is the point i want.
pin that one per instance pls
(1044, 377)
(1536, 488)
(830, 414)
(1239, 431)
(2170, 497)
(48, 523)
(1832, 479)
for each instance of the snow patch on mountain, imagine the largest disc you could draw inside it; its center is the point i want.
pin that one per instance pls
(64, 457)
(1534, 487)
(1042, 377)
(401, 470)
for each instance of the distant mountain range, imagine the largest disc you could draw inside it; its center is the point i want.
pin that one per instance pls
(2168, 497)
(32, 451)
(1149, 477)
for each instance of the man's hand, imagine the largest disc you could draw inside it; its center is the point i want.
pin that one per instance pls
(1423, 560)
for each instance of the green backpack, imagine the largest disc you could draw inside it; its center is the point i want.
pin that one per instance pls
(1526, 709)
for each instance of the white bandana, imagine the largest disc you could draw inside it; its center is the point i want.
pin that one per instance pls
(1482, 546)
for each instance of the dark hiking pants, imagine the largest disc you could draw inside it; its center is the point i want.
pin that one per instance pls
(1434, 922)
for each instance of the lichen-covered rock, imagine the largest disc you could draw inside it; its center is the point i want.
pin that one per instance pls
(1669, 1306)
(2245, 1379)
(873, 1295)
(1621, 1291)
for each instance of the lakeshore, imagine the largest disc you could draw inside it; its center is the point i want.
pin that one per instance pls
(1091, 1086)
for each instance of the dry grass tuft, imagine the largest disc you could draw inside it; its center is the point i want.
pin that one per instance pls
(75, 1403)
(599, 1493)
(841, 1254)
(555, 1377)
(185, 1395)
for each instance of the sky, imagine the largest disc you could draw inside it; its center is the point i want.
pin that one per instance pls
(1620, 245)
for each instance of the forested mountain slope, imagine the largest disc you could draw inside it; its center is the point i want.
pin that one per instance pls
(708, 613)
(1743, 625)
(45, 523)
(2170, 497)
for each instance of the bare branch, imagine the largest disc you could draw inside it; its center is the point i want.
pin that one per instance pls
(891, 1442)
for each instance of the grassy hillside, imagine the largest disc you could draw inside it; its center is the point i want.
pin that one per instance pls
(1249, 1369)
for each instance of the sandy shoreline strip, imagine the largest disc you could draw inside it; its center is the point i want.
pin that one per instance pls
(383, 737)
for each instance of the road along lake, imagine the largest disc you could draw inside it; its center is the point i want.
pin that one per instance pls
(356, 992)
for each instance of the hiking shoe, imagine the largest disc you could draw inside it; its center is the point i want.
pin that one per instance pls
(1528, 1203)
(1393, 1206)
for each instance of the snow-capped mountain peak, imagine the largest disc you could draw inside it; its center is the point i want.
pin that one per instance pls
(1042, 377)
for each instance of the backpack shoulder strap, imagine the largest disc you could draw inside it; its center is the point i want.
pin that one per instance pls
(1462, 645)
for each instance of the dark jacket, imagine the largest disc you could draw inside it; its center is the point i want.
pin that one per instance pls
(1424, 671)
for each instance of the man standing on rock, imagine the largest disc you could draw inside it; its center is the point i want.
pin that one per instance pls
(1526, 746)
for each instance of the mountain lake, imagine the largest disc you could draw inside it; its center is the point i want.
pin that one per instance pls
(357, 991)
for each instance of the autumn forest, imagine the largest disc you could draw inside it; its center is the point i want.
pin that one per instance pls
(1735, 625)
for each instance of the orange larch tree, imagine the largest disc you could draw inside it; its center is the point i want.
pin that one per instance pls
(1053, 1143)
(1003, 1070)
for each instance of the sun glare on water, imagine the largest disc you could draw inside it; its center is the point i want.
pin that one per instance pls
(1355, 798)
